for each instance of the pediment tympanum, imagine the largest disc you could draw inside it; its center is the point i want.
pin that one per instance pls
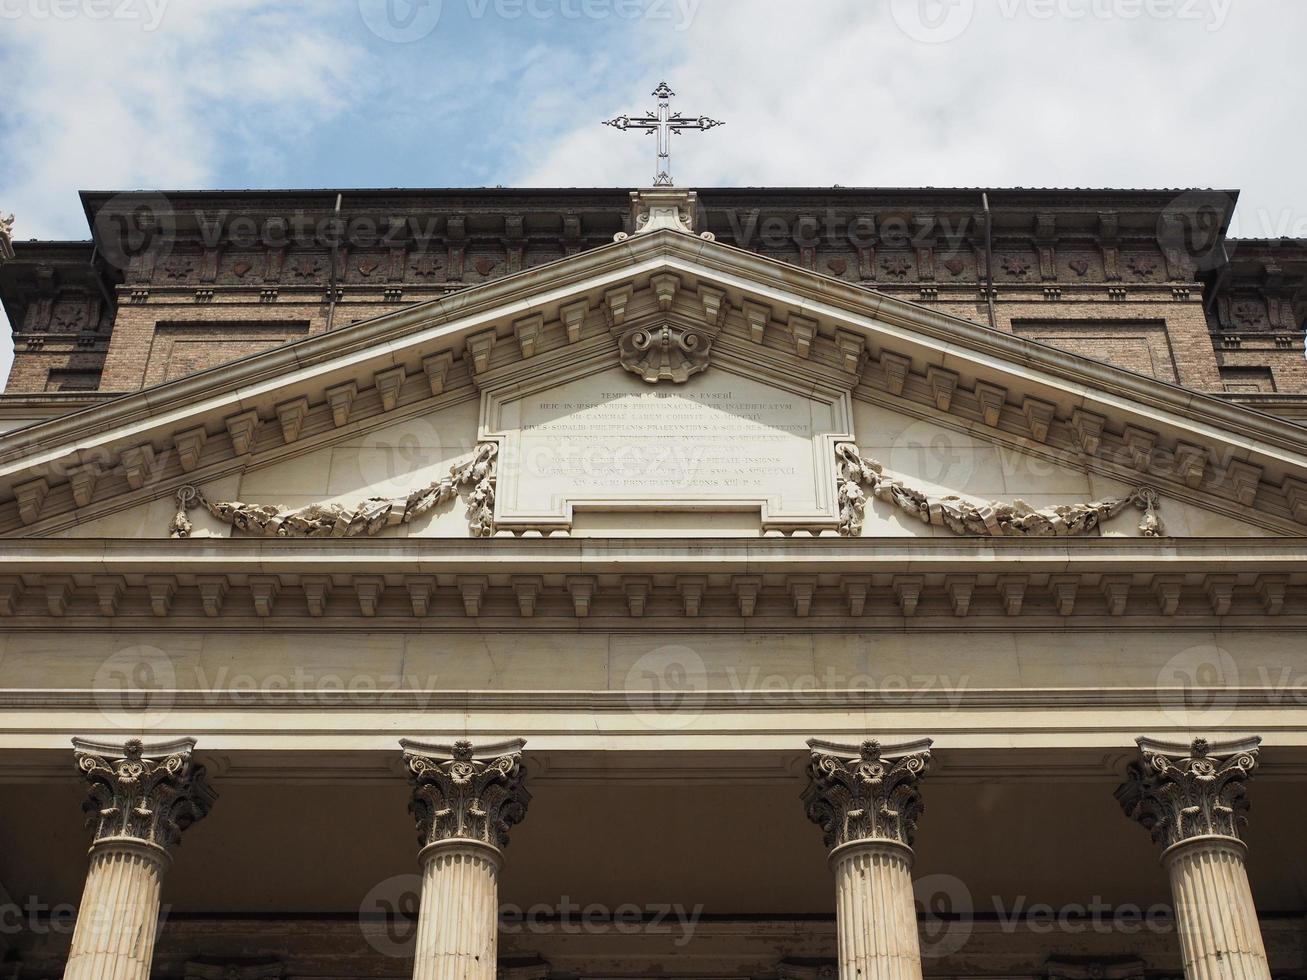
(665, 373)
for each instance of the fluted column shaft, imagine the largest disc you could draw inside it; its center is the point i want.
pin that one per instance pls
(464, 800)
(458, 920)
(119, 915)
(1193, 800)
(876, 916)
(866, 798)
(1220, 938)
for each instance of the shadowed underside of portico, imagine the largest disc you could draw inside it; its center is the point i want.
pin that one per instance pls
(708, 856)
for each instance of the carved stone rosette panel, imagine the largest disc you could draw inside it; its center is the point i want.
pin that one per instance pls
(464, 793)
(1018, 519)
(669, 352)
(146, 793)
(474, 478)
(1181, 792)
(869, 792)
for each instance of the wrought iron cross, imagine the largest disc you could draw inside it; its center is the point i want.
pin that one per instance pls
(663, 123)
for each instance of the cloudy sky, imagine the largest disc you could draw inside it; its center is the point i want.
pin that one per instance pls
(119, 94)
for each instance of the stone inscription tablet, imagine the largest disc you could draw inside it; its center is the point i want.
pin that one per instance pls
(611, 441)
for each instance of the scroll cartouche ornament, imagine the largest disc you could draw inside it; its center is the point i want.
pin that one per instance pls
(858, 475)
(670, 352)
(465, 793)
(868, 793)
(1184, 792)
(144, 793)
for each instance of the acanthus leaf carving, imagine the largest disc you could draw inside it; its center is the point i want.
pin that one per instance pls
(146, 793)
(461, 792)
(475, 479)
(857, 476)
(1180, 792)
(869, 792)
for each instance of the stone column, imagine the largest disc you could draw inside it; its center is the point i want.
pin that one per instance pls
(465, 800)
(867, 800)
(1191, 799)
(141, 799)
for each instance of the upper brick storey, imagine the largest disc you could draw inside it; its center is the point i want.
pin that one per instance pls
(173, 283)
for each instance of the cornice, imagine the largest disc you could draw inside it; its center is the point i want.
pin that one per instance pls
(565, 584)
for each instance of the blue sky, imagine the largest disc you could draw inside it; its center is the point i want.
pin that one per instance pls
(115, 94)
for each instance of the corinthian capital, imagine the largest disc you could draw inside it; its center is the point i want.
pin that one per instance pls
(1179, 792)
(148, 793)
(866, 793)
(466, 793)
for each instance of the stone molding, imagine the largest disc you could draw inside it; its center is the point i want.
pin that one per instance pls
(1183, 793)
(866, 793)
(138, 792)
(466, 793)
(1023, 582)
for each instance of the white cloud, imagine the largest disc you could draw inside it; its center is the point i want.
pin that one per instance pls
(95, 103)
(1128, 93)
(1093, 93)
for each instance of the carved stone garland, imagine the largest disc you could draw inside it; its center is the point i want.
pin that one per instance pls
(457, 796)
(475, 478)
(150, 796)
(993, 519)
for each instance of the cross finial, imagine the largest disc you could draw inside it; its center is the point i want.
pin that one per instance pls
(663, 123)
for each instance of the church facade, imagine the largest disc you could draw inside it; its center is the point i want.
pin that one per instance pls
(781, 584)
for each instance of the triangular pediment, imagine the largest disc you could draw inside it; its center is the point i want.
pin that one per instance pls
(664, 374)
